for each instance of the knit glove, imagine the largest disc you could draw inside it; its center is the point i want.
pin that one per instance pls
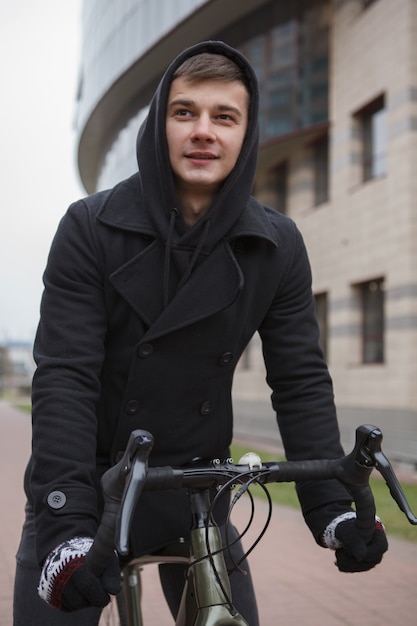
(352, 553)
(67, 583)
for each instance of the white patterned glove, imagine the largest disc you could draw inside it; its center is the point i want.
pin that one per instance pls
(67, 583)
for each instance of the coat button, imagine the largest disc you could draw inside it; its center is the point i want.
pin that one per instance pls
(132, 407)
(226, 358)
(56, 499)
(206, 408)
(145, 350)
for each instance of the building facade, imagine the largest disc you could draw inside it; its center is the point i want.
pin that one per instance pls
(338, 122)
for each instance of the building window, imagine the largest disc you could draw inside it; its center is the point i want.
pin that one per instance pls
(281, 187)
(373, 133)
(288, 46)
(321, 170)
(372, 296)
(321, 315)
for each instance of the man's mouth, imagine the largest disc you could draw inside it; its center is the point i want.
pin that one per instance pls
(199, 156)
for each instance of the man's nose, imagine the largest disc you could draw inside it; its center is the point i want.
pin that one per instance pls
(203, 129)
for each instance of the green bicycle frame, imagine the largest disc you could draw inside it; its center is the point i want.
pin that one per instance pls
(204, 602)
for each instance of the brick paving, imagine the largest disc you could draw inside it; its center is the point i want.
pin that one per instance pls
(296, 581)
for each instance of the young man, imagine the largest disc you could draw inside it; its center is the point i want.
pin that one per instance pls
(152, 292)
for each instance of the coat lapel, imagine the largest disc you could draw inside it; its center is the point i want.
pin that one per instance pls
(214, 285)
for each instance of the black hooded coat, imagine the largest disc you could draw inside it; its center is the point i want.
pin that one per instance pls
(143, 322)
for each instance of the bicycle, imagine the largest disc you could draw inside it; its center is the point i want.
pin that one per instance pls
(207, 598)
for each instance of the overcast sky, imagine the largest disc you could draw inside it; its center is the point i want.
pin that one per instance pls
(40, 50)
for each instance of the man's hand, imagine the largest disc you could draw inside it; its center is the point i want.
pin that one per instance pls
(352, 553)
(67, 583)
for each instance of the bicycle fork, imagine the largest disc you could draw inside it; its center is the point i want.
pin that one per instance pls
(206, 600)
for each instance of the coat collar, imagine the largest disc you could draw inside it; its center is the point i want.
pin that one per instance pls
(124, 208)
(253, 222)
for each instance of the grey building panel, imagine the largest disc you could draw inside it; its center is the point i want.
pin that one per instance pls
(399, 292)
(256, 421)
(402, 322)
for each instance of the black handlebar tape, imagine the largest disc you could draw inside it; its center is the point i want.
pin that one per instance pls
(99, 555)
(365, 510)
(355, 477)
(163, 478)
(295, 471)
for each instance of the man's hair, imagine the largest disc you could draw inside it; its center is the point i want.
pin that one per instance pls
(206, 66)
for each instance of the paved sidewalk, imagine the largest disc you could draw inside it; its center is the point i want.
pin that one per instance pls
(296, 581)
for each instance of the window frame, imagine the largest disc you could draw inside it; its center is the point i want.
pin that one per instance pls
(321, 173)
(373, 156)
(372, 302)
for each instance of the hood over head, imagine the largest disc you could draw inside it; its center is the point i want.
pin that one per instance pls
(157, 180)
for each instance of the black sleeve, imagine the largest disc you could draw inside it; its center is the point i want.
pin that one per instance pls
(69, 349)
(302, 391)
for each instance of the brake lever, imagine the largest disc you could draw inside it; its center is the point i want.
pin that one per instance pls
(136, 470)
(373, 452)
(114, 479)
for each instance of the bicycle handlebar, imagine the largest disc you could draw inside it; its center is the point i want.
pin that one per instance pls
(123, 483)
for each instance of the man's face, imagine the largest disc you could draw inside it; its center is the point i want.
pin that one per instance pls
(205, 125)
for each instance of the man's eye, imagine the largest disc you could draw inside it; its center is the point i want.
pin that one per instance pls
(182, 113)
